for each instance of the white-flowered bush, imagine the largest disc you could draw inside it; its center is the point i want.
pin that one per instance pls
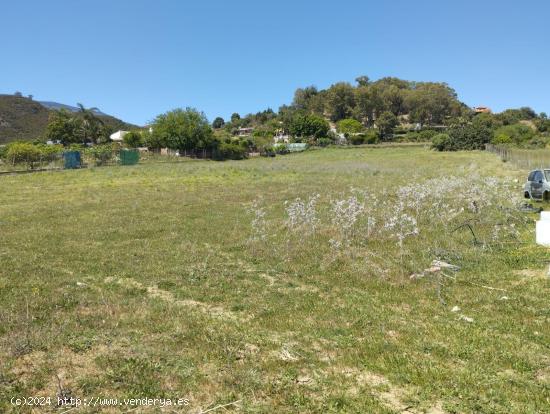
(302, 215)
(414, 218)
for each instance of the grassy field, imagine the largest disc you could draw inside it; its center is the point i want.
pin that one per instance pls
(195, 280)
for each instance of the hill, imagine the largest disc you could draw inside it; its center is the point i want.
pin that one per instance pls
(24, 119)
(57, 106)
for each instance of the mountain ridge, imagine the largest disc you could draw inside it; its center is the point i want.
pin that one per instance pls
(23, 119)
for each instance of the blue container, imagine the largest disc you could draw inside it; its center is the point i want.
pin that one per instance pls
(72, 160)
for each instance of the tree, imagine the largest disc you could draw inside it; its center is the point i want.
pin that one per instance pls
(340, 101)
(308, 125)
(430, 103)
(303, 97)
(513, 116)
(362, 80)
(133, 139)
(63, 126)
(184, 130)
(235, 117)
(349, 126)
(18, 94)
(153, 141)
(218, 123)
(386, 123)
(92, 125)
(368, 102)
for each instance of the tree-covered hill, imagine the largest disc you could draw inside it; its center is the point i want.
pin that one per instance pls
(24, 119)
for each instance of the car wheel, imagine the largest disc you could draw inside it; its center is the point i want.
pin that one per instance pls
(527, 195)
(546, 196)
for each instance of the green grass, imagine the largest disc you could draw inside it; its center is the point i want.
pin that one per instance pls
(140, 282)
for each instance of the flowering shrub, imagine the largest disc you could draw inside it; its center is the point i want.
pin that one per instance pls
(259, 225)
(412, 219)
(301, 215)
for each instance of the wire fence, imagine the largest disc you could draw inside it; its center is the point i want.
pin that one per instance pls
(522, 158)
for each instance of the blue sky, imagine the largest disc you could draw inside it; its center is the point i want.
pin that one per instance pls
(136, 59)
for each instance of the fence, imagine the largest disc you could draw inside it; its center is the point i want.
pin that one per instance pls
(522, 158)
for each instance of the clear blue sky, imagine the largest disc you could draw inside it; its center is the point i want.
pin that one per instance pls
(136, 59)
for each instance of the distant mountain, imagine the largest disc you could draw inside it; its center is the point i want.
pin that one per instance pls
(24, 119)
(56, 106)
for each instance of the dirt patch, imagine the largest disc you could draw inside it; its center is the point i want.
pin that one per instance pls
(543, 375)
(270, 279)
(528, 275)
(69, 368)
(155, 292)
(389, 395)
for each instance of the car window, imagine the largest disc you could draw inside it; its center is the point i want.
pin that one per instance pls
(531, 176)
(547, 175)
(538, 176)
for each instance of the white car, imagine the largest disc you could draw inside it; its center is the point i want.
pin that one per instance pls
(538, 185)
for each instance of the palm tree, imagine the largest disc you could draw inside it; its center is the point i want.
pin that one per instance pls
(91, 124)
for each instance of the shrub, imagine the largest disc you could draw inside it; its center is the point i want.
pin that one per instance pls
(23, 152)
(324, 142)
(349, 126)
(518, 134)
(281, 149)
(133, 139)
(308, 125)
(410, 136)
(426, 135)
(536, 142)
(101, 153)
(501, 139)
(441, 142)
(230, 151)
(50, 153)
(463, 137)
(268, 151)
(371, 137)
(357, 139)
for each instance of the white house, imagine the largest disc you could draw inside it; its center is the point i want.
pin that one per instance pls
(118, 136)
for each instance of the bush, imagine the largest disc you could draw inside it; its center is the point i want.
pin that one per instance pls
(536, 142)
(349, 126)
(371, 137)
(268, 151)
(463, 137)
(441, 142)
(50, 153)
(357, 139)
(518, 134)
(101, 153)
(133, 139)
(308, 125)
(501, 139)
(426, 135)
(324, 142)
(281, 149)
(230, 151)
(410, 136)
(23, 152)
